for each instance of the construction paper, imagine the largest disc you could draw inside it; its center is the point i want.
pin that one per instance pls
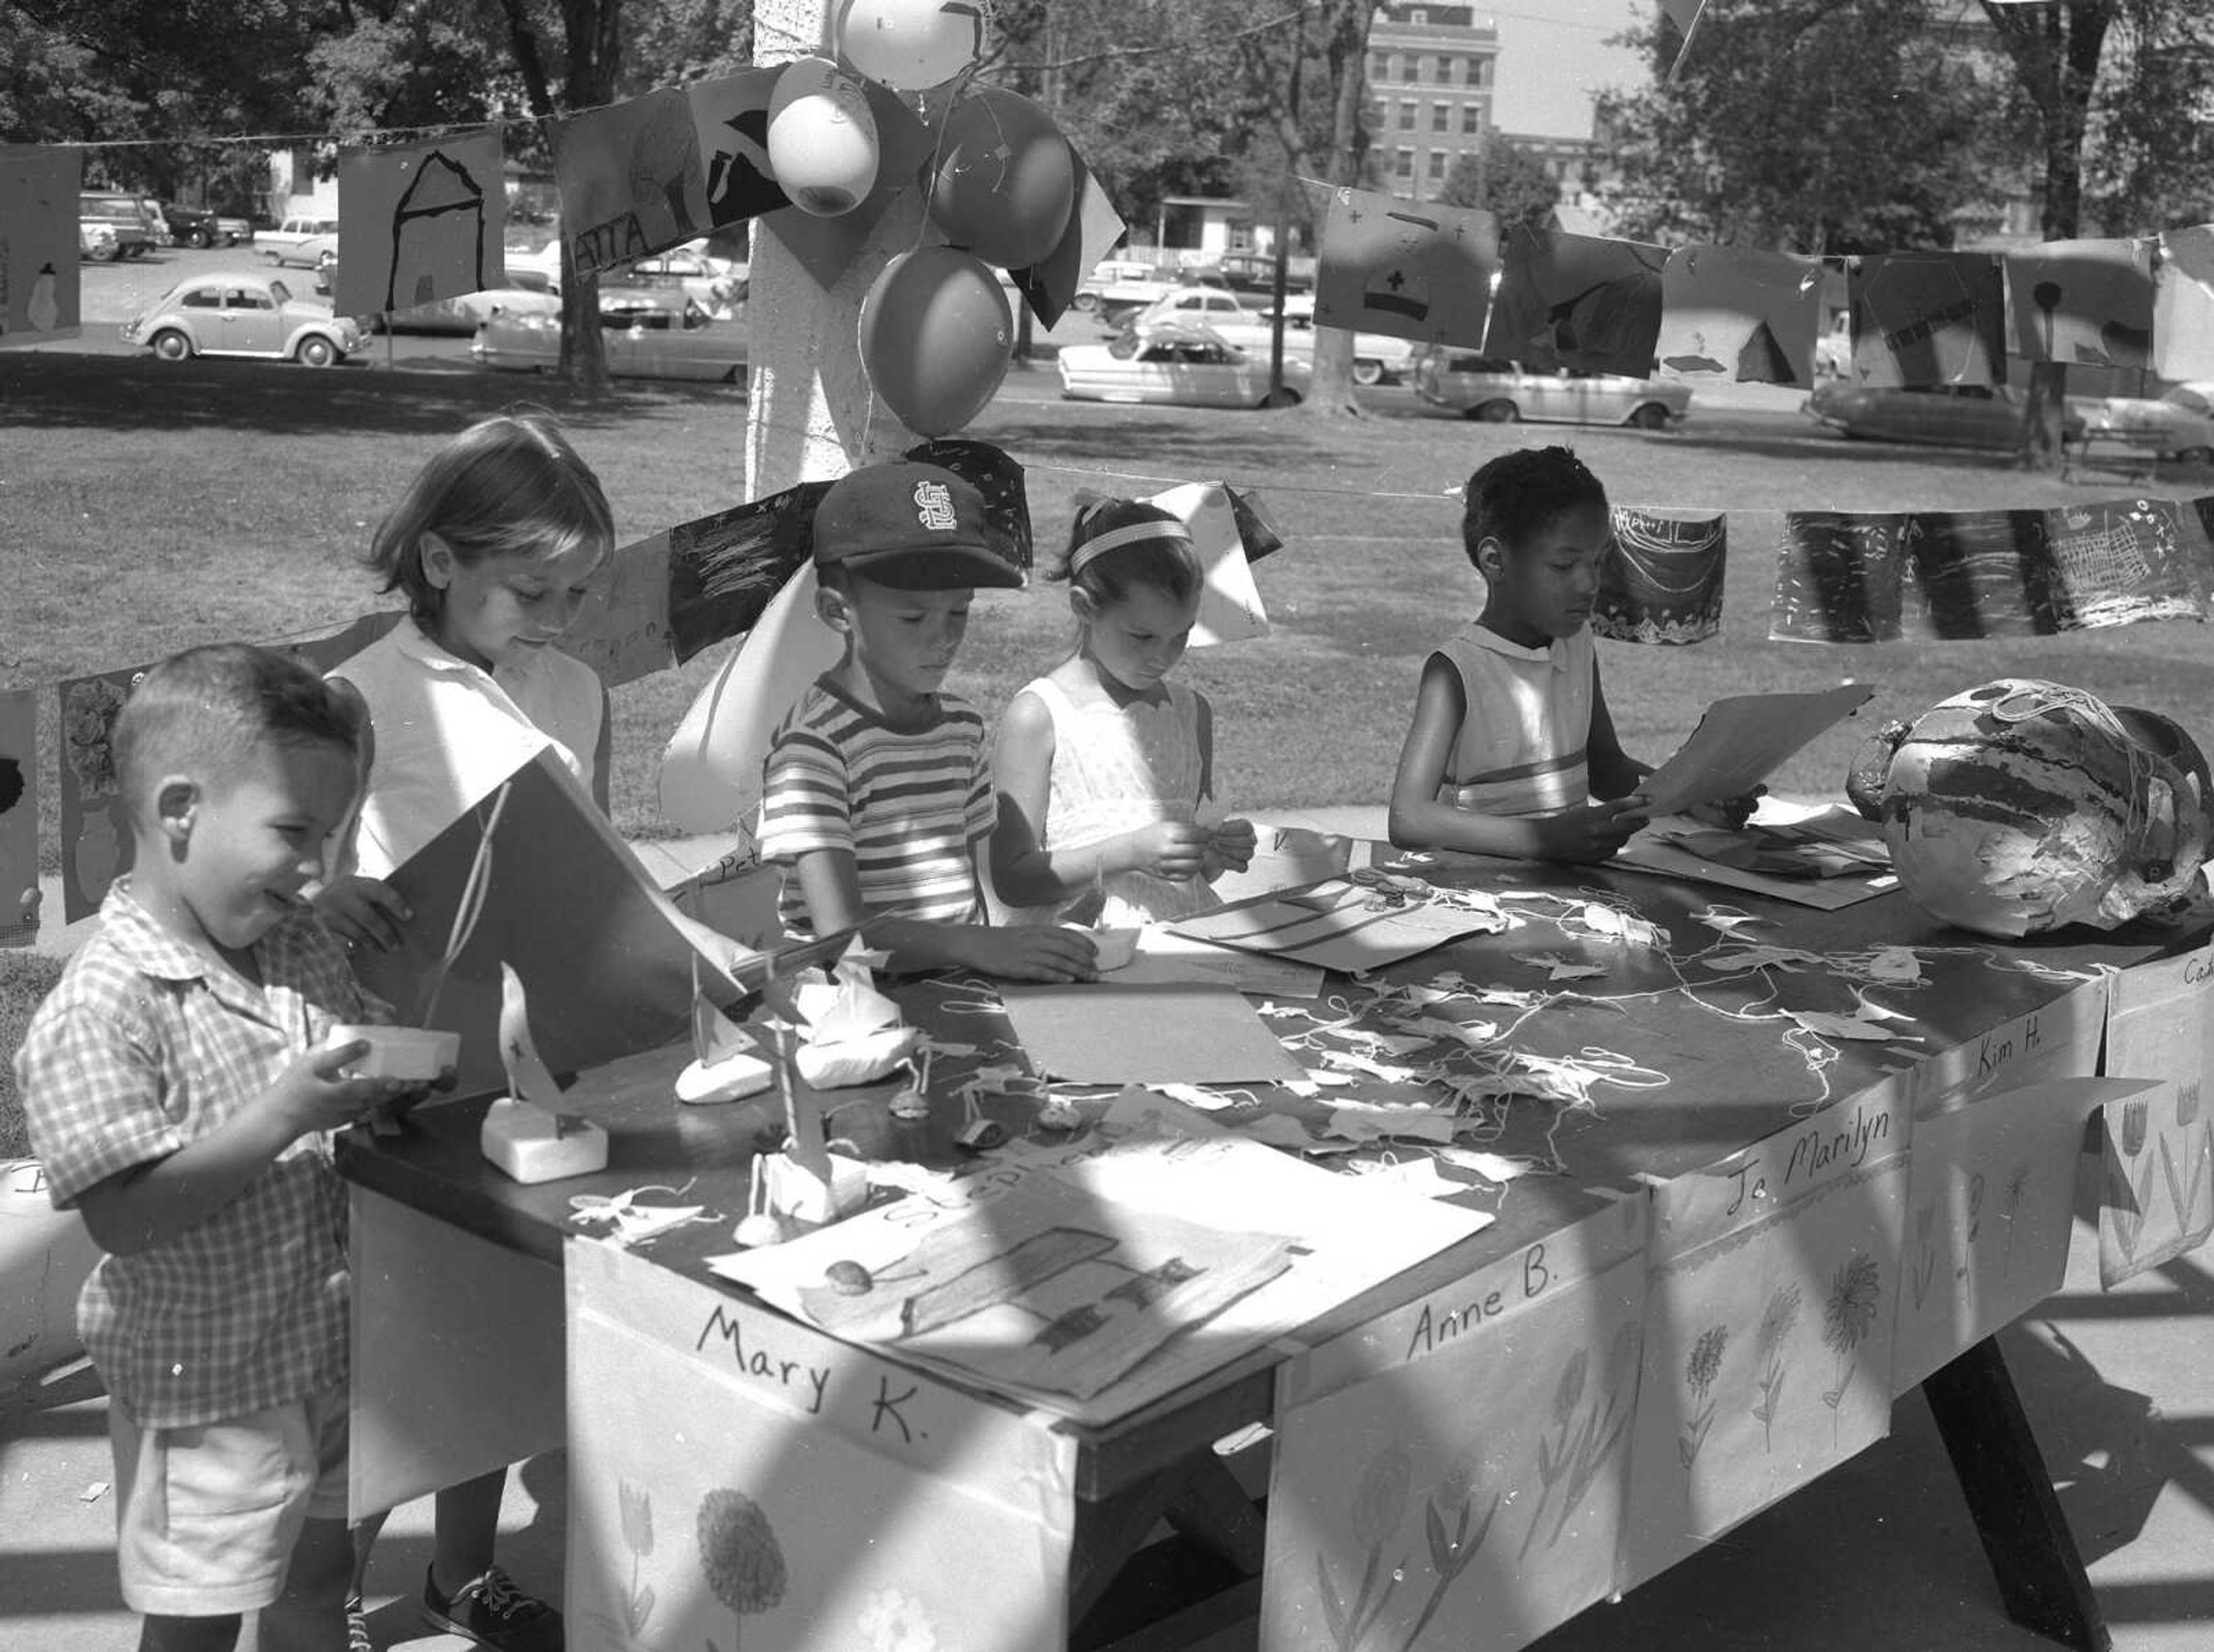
(1343, 926)
(635, 176)
(19, 817)
(724, 568)
(1095, 229)
(623, 631)
(1583, 302)
(1131, 1181)
(1420, 270)
(1167, 958)
(1685, 14)
(420, 222)
(1846, 578)
(1927, 318)
(1653, 851)
(2183, 305)
(1740, 739)
(96, 828)
(1733, 313)
(2157, 1181)
(1769, 1324)
(40, 279)
(785, 1490)
(1106, 1033)
(324, 651)
(2087, 303)
(1230, 608)
(994, 475)
(1662, 583)
(1453, 1474)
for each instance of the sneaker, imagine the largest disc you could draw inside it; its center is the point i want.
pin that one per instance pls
(358, 1627)
(492, 1611)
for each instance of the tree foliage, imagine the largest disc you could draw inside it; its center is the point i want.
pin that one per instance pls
(1506, 180)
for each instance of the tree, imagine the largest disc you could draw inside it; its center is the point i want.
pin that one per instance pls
(1506, 180)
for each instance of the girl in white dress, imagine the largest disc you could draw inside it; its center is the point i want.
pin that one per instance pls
(1105, 768)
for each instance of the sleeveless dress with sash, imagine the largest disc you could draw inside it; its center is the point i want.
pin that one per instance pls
(1521, 748)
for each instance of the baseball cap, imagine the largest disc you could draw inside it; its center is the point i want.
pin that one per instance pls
(911, 526)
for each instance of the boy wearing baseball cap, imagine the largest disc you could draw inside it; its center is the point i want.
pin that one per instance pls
(877, 797)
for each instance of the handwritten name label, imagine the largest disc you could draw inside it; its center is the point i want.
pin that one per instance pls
(758, 1362)
(2056, 1040)
(1762, 1183)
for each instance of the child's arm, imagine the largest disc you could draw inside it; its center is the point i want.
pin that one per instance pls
(1027, 873)
(1419, 820)
(1025, 952)
(1614, 772)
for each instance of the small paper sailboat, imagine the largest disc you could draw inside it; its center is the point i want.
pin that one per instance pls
(725, 1064)
(854, 1033)
(525, 1132)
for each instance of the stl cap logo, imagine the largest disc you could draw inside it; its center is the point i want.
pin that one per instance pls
(933, 507)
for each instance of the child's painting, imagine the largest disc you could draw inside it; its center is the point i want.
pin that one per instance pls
(419, 223)
(1927, 318)
(19, 817)
(784, 1492)
(1735, 314)
(724, 569)
(2087, 303)
(2183, 305)
(1453, 1474)
(1768, 1326)
(96, 828)
(39, 264)
(1587, 303)
(995, 475)
(622, 630)
(1411, 269)
(1095, 229)
(638, 176)
(1663, 582)
(2157, 1181)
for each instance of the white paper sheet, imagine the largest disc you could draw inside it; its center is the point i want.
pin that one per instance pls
(1340, 925)
(1740, 741)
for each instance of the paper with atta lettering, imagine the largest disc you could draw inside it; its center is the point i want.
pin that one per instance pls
(2183, 305)
(1662, 581)
(1583, 302)
(19, 817)
(788, 1491)
(1409, 270)
(2086, 303)
(1769, 1308)
(1927, 318)
(1850, 578)
(2156, 1151)
(419, 223)
(41, 281)
(1737, 314)
(1454, 1472)
(1095, 229)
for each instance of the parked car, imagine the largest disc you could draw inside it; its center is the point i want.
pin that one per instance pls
(649, 335)
(1107, 272)
(1947, 415)
(541, 268)
(316, 251)
(467, 312)
(1180, 363)
(96, 241)
(2178, 425)
(1499, 392)
(234, 231)
(243, 313)
(707, 281)
(137, 230)
(280, 244)
(1120, 301)
(190, 226)
(1252, 276)
(1833, 351)
(1378, 358)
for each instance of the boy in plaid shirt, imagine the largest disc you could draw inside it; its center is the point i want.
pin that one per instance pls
(178, 1087)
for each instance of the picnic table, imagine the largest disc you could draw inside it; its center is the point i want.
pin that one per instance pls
(1659, 1106)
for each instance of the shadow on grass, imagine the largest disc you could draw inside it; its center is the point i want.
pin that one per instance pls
(1820, 449)
(53, 390)
(1175, 441)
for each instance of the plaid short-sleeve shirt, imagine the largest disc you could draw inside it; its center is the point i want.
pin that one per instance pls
(141, 1048)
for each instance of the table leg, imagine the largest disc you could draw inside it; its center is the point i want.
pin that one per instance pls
(2041, 1579)
(1176, 1591)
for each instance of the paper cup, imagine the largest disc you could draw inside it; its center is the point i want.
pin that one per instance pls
(416, 1054)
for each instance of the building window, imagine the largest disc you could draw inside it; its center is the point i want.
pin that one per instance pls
(1418, 17)
(1437, 165)
(1471, 117)
(1407, 116)
(1440, 116)
(1403, 163)
(1398, 67)
(1423, 70)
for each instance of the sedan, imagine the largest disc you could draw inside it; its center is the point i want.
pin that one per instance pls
(467, 312)
(1181, 363)
(1501, 392)
(1945, 415)
(243, 313)
(2178, 425)
(648, 336)
(316, 251)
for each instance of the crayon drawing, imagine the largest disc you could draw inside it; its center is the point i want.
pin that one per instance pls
(1420, 271)
(2183, 305)
(40, 280)
(1663, 582)
(631, 178)
(2084, 302)
(1729, 312)
(1095, 228)
(1927, 318)
(1582, 302)
(19, 818)
(2157, 1181)
(96, 828)
(420, 222)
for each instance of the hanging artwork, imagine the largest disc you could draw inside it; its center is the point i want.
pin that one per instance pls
(827, 247)
(2183, 305)
(998, 479)
(2087, 303)
(420, 222)
(39, 283)
(724, 568)
(787, 1491)
(1663, 582)
(95, 826)
(1730, 312)
(1848, 577)
(1453, 1475)
(19, 818)
(1230, 608)
(2157, 1181)
(1927, 318)
(1583, 302)
(622, 630)
(1420, 270)
(1768, 1325)
(1094, 228)
(323, 651)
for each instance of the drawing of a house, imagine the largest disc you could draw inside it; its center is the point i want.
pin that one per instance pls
(437, 235)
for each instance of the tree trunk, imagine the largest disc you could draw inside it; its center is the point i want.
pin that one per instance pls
(1345, 51)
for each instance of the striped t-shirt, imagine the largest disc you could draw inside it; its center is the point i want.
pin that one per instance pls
(909, 806)
(1521, 748)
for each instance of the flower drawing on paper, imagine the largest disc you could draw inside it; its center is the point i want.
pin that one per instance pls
(88, 710)
(740, 1558)
(1701, 1367)
(1847, 1319)
(893, 1622)
(1379, 1503)
(1585, 1433)
(2133, 1127)
(2186, 1104)
(1925, 1250)
(2011, 1211)
(1775, 1325)
(1452, 1540)
(636, 1503)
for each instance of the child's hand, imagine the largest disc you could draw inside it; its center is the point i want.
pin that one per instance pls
(1232, 846)
(1592, 832)
(316, 1093)
(1729, 813)
(1174, 849)
(362, 913)
(1037, 951)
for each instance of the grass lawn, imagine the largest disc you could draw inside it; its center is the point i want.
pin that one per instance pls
(145, 508)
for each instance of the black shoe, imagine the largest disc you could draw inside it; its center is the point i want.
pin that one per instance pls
(492, 1611)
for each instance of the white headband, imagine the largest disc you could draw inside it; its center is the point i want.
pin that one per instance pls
(1115, 538)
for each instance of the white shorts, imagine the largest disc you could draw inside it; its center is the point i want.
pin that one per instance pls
(206, 1517)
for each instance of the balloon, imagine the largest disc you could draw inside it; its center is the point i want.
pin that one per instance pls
(1005, 181)
(911, 44)
(822, 137)
(936, 338)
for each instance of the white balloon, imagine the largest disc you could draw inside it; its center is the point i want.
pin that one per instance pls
(911, 44)
(822, 137)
